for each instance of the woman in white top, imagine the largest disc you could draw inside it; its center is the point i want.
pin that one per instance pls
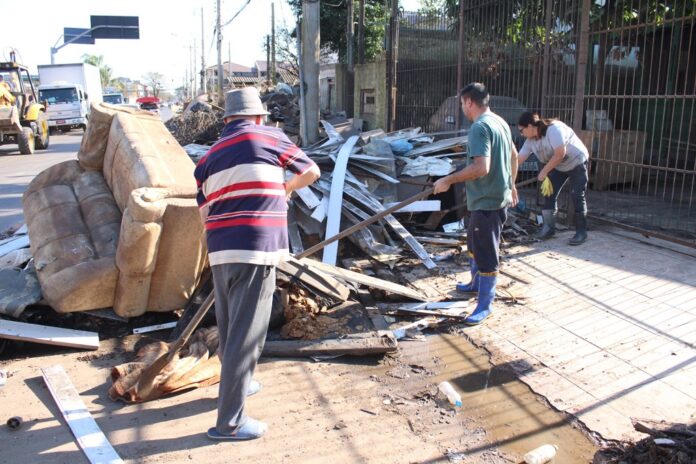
(563, 157)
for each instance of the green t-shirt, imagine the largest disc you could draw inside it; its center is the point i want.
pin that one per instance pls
(490, 136)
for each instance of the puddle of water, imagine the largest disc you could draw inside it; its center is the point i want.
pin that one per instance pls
(515, 419)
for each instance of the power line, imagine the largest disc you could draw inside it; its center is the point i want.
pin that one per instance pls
(236, 14)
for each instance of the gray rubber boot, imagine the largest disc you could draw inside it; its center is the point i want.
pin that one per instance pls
(580, 229)
(548, 229)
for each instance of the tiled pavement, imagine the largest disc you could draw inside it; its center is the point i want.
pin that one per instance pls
(608, 332)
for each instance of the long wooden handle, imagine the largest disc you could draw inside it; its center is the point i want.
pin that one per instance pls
(366, 222)
(192, 325)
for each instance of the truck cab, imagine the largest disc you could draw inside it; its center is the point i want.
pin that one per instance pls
(113, 98)
(68, 105)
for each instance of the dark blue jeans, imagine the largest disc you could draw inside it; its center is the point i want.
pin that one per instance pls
(578, 185)
(483, 238)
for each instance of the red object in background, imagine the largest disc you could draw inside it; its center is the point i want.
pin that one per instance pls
(147, 100)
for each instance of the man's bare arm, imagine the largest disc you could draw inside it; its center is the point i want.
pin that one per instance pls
(479, 168)
(302, 180)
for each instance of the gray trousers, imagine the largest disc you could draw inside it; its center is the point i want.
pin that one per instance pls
(243, 300)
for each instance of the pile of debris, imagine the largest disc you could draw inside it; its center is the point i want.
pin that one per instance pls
(363, 176)
(200, 123)
(667, 443)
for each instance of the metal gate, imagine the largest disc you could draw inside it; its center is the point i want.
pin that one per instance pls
(622, 73)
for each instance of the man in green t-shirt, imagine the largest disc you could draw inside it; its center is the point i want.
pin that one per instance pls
(489, 175)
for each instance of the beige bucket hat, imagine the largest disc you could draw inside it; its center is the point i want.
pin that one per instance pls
(243, 102)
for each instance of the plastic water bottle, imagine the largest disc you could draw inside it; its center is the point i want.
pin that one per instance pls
(452, 396)
(541, 455)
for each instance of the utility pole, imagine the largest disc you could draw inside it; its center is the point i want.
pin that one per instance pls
(229, 63)
(204, 89)
(190, 73)
(350, 33)
(273, 45)
(218, 28)
(268, 60)
(310, 66)
(194, 80)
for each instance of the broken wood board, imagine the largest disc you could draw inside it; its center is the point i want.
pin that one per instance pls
(318, 280)
(22, 331)
(89, 436)
(421, 312)
(440, 241)
(418, 206)
(333, 222)
(356, 277)
(375, 207)
(382, 342)
(426, 323)
(20, 241)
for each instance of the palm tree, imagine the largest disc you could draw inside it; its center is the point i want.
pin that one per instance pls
(104, 70)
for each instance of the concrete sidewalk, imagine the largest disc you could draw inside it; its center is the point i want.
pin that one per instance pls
(607, 334)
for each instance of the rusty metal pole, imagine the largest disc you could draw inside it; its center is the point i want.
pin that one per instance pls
(547, 57)
(581, 69)
(460, 65)
(392, 65)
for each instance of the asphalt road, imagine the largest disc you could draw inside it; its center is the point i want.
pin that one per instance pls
(16, 171)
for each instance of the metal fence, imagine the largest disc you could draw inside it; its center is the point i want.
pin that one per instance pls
(621, 72)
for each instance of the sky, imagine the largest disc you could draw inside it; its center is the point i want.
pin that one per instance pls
(168, 31)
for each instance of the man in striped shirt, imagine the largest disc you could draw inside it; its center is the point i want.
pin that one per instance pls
(242, 195)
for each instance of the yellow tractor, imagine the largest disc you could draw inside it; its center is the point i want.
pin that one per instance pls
(23, 118)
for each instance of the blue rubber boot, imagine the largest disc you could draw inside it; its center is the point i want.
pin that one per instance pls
(472, 286)
(486, 295)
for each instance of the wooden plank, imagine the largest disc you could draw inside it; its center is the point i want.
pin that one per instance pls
(354, 346)
(318, 280)
(423, 312)
(333, 222)
(425, 323)
(431, 305)
(88, 434)
(21, 241)
(376, 207)
(363, 279)
(440, 241)
(418, 206)
(13, 330)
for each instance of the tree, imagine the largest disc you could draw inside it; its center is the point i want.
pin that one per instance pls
(155, 81)
(333, 26)
(104, 70)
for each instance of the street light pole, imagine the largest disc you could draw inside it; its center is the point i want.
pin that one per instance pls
(221, 95)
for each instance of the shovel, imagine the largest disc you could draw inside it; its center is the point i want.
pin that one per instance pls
(147, 378)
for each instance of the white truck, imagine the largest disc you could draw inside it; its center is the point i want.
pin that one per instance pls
(68, 90)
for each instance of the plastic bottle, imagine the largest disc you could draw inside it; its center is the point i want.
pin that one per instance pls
(541, 455)
(452, 396)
